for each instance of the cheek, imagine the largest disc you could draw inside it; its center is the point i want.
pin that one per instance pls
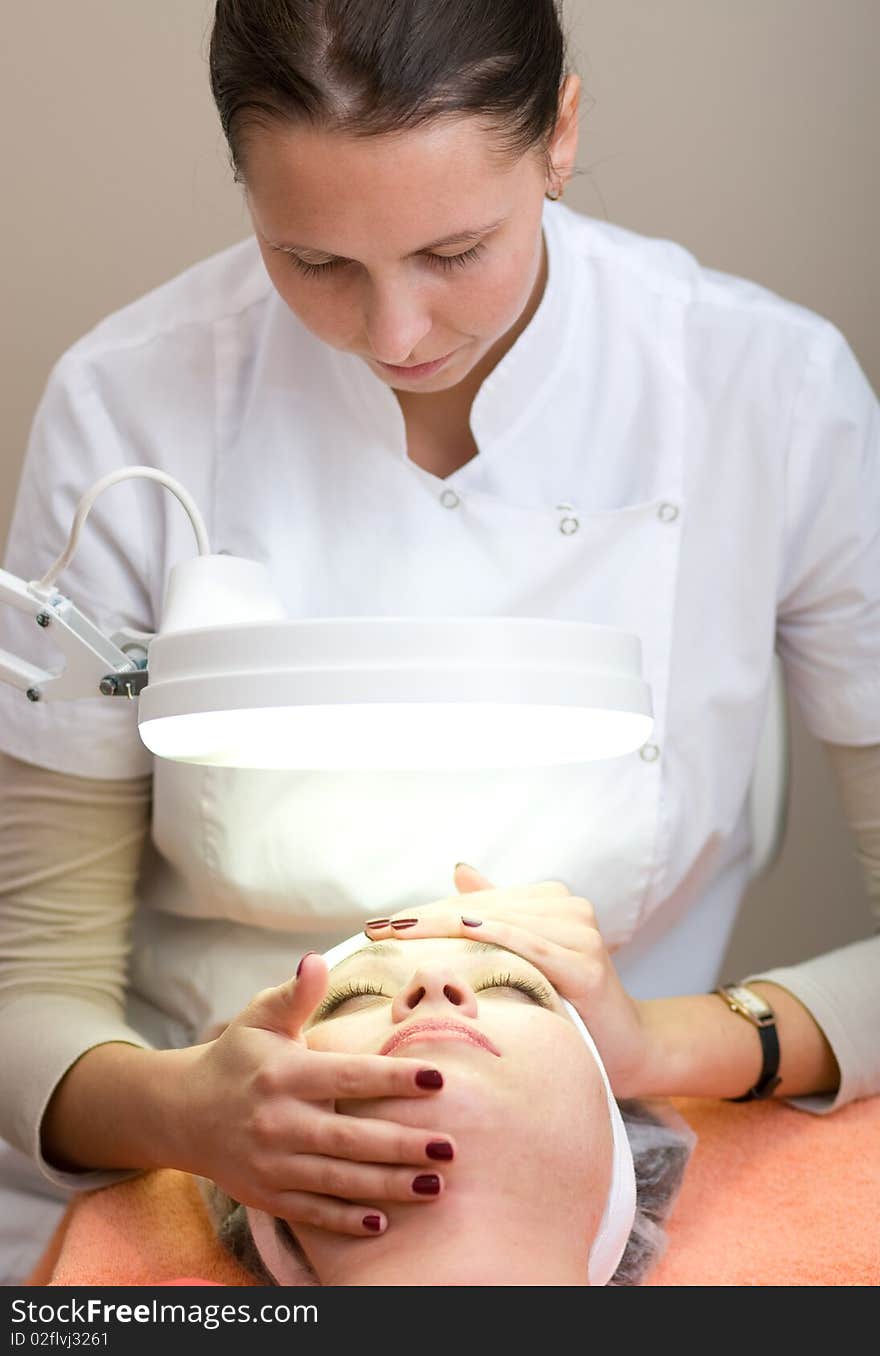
(347, 1035)
(493, 299)
(324, 306)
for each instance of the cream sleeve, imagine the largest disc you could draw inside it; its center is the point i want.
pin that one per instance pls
(841, 989)
(70, 851)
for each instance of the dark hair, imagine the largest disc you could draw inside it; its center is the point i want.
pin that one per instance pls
(370, 67)
(661, 1142)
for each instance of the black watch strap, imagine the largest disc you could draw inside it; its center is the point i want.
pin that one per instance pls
(768, 1081)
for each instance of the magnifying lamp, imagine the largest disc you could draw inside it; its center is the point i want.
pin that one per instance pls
(230, 680)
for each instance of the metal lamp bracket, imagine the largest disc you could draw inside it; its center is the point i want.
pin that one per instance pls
(94, 665)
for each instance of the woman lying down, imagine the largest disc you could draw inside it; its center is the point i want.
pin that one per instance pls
(543, 1180)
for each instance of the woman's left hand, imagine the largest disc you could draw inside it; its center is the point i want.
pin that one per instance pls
(557, 932)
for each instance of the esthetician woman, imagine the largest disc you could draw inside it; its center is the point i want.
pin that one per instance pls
(424, 385)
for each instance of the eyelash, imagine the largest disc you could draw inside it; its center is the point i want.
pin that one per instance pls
(445, 262)
(354, 989)
(336, 997)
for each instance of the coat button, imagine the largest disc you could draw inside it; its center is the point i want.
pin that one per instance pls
(569, 524)
(649, 753)
(449, 499)
(667, 513)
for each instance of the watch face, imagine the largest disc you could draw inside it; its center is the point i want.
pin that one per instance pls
(750, 1001)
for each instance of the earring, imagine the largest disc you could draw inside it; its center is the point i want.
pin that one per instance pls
(555, 194)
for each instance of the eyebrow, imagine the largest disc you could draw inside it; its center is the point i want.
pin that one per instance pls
(457, 238)
(397, 949)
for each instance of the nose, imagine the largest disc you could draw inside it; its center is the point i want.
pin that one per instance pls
(397, 320)
(434, 989)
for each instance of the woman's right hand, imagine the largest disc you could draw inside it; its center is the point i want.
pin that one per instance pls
(256, 1114)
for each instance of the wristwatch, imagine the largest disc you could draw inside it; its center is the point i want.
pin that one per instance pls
(758, 1011)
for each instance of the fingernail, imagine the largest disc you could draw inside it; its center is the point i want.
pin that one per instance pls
(472, 922)
(404, 923)
(438, 1148)
(426, 1184)
(429, 1078)
(377, 923)
(373, 1223)
(302, 958)
(467, 864)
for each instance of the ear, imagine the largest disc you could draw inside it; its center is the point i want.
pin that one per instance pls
(562, 151)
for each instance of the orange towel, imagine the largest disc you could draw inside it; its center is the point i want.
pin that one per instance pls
(772, 1196)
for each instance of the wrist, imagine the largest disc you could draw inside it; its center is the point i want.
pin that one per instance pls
(174, 1080)
(115, 1108)
(696, 1047)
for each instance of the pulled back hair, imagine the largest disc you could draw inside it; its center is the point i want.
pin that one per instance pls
(661, 1142)
(373, 67)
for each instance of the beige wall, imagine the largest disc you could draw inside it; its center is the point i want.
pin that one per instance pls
(746, 131)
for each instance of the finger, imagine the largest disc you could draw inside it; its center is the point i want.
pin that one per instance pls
(565, 932)
(507, 899)
(427, 924)
(337, 1178)
(562, 965)
(325, 1076)
(286, 1007)
(333, 1134)
(549, 888)
(468, 879)
(322, 1212)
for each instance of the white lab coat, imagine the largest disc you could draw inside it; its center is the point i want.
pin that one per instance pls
(666, 449)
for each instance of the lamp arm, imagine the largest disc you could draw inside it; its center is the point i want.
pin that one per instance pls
(95, 664)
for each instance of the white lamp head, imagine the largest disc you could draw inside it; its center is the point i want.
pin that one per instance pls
(232, 683)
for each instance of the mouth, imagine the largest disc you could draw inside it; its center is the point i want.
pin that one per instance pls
(436, 1031)
(416, 370)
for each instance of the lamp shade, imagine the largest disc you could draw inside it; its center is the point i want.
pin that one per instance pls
(381, 692)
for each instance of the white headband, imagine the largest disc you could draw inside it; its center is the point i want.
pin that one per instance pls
(615, 1226)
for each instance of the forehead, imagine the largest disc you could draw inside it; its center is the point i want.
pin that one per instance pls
(334, 159)
(328, 190)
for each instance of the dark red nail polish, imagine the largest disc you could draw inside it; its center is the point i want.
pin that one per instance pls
(377, 923)
(405, 923)
(302, 958)
(429, 1078)
(426, 1184)
(438, 1148)
(373, 1223)
(472, 922)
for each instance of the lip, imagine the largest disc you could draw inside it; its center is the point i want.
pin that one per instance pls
(417, 371)
(438, 1030)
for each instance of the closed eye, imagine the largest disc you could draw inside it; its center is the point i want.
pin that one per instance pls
(539, 993)
(351, 989)
(337, 997)
(444, 262)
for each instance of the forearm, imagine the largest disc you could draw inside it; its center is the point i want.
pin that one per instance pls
(70, 851)
(118, 1106)
(699, 1048)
